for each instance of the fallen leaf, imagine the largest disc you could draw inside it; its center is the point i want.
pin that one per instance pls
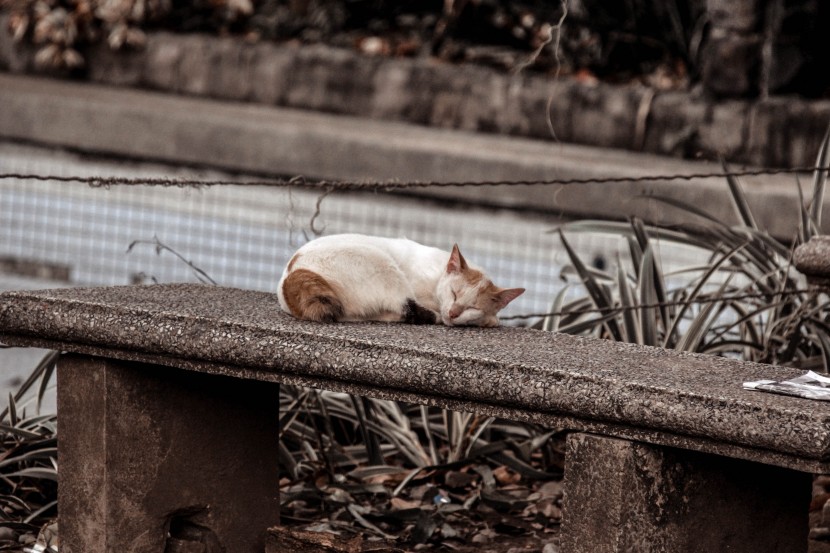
(505, 476)
(485, 536)
(551, 489)
(448, 531)
(455, 479)
(398, 503)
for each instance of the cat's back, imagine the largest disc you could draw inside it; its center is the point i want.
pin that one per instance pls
(355, 277)
(337, 242)
(352, 259)
(399, 249)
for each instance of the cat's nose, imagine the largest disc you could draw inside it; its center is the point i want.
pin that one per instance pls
(455, 311)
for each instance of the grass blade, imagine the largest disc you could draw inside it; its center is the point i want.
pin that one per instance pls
(363, 410)
(820, 180)
(805, 227)
(433, 454)
(35, 472)
(39, 512)
(739, 199)
(597, 293)
(641, 233)
(631, 324)
(701, 324)
(578, 327)
(648, 296)
(551, 322)
(48, 360)
(477, 434)
(636, 254)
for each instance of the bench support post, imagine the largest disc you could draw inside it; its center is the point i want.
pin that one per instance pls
(631, 496)
(154, 458)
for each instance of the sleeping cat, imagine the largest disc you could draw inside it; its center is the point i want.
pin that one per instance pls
(352, 277)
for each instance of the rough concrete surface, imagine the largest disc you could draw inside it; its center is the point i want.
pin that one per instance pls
(257, 138)
(628, 496)
(687, 400)
(150, 455)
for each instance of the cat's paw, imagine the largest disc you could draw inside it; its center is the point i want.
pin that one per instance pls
(490, 322)
(414, 313)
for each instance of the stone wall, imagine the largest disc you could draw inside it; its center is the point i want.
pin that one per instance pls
(761, 47)
(773, 131)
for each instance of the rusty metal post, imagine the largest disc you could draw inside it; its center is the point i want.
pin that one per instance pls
(157, 459)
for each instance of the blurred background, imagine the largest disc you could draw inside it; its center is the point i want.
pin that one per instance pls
(466, 90)
(518, 93)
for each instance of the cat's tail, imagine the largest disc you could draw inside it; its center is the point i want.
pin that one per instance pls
(311, 297)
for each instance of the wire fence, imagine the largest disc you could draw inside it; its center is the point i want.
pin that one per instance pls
(241, 232)
(327, 185)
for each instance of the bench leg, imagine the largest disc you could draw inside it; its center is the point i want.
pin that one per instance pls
(155, 459)
(631, 496)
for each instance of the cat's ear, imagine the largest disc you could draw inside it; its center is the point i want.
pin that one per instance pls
(456, 264)
(503, 297)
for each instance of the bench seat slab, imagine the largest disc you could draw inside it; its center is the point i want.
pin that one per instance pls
(634, 392)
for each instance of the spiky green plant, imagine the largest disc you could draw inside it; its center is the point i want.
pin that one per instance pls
(28, 457)
(746, 300)
(341, 430)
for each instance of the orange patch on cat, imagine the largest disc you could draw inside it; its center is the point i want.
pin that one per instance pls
(472, 276)
(487, 295)
(309, 296)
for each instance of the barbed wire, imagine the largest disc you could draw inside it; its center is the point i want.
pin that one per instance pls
(356, 185)
(329, 186)
(679, 303)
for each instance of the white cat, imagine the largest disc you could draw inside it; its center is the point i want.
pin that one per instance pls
(353, 277)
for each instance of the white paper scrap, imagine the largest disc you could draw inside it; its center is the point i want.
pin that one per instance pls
(810, 385)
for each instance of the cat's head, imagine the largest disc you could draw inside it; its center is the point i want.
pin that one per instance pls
(467, 297)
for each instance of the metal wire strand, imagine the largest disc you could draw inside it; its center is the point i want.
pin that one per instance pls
(329, 186)
(343, 185)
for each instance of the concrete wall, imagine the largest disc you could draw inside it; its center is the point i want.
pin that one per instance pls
(758, 47)
(776, 131)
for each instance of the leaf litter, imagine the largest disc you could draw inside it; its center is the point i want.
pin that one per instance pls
(496, 488)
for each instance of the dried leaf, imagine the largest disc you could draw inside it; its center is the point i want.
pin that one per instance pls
(455, 479)
(397, 504)
(505, 476)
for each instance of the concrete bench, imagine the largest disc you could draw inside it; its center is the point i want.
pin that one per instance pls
(168, 416)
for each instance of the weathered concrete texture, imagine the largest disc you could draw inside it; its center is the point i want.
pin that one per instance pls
(461, 97)
(156, 459)
(270, 140)
(778, 127)
(628, 496)
(465, 97)
(684, 399)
